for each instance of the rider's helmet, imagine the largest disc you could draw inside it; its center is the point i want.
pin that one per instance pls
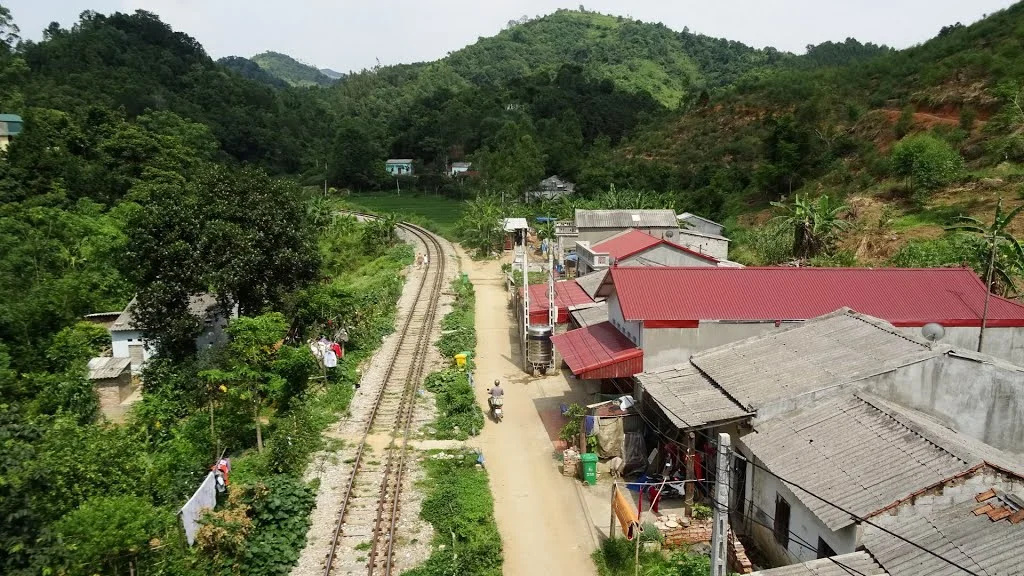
(497, 382)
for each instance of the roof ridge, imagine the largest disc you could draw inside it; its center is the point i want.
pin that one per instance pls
(873, 400)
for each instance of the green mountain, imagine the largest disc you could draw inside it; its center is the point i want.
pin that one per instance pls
(332, 74)
(248, 69)
(291, 70)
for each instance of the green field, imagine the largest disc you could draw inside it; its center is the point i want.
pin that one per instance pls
(438, 211)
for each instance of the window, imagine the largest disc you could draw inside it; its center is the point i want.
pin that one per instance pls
(824, 550)
(781, 526)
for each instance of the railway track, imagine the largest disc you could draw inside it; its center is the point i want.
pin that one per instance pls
(392, 414)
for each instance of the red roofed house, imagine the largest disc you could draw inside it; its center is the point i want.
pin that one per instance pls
(636, 248)
(671, 313)
(568, 294)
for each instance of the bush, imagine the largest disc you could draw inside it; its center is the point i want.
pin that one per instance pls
(459, 326)
(950, 250)
(926, 162)
(770, 244)
(110, 531)
(456, 404)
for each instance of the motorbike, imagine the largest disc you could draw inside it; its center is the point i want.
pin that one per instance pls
(496, 403)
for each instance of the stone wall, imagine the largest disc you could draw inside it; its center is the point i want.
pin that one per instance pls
(690, 532)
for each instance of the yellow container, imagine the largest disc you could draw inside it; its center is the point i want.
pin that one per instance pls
(460, 359)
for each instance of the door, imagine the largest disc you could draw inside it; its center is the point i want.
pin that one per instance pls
(137, 356)
(739, 487)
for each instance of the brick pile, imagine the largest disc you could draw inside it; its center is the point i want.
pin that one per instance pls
(571, 463)
(679, 532)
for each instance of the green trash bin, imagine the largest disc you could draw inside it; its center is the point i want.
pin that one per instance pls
(589, 461)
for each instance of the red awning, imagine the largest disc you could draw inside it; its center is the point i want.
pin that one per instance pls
(599, 351)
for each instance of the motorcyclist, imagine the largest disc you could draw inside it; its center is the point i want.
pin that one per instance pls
(497, 392)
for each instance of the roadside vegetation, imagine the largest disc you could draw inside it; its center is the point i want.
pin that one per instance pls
(617, 557)
(460, 508)
(458, 414)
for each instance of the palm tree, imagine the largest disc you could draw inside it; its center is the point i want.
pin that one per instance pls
(816, 223)
(997, 240)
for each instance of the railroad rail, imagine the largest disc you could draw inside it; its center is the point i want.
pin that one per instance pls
(393, 411)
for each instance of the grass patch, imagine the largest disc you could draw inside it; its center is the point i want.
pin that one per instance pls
(616, 557)
(458, 327)
(440, 211)
(363, 546)
(459, 507)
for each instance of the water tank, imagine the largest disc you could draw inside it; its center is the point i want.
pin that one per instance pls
(538, 344)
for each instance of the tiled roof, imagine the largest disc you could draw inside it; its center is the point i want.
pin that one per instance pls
(510, 224)
(974, 541)
(591, 315)
(687, 397)
(591, 282)
(632, 241)
(816, 355)
(399, 161)
(904, 297)
(843, 565)
(203, 306)
(857, 456)
(626, 219)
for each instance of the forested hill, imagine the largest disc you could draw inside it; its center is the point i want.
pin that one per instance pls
(290, 70)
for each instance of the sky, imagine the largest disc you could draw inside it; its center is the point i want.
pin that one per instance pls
(351, 34)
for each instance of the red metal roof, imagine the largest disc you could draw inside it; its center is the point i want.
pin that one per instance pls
(632, 241)
(599, 351)
(901, 296)
(567, 294)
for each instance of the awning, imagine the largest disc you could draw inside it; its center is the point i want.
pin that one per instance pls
(599, 351)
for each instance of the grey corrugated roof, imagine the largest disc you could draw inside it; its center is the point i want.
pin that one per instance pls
(687, 397)
(591, 315)
(626, 219)
(399, 161)
(842, 565)
(591, 282)
(977, 543)
(104, 367)
(690, 232)
(856, 455)
(828, 351)
(510, 224)
(202, 305)
(461, 164)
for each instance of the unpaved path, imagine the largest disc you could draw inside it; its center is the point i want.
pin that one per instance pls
(537, 509)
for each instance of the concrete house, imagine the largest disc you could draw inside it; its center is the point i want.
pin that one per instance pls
(852, 409)
(457, 168)
(593, 226)
(673, 313)
(112, 380)
(636, 248)
(128, 341)
(10, 127)
(399, 166)
(550, 188)
(703, 235)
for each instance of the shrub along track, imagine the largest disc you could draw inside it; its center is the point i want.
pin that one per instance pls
(393, 412)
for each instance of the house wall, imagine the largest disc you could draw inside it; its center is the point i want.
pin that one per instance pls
(1005, 343)
(595, 235)
(668, 346)
(399, 169)
(5, 141)
(123, 339)
(111, 392)
(805, 528)
(983, 401)
(630, 329)
(666, 256)
(711, 246)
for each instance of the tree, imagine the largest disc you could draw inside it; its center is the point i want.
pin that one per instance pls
(905, 123)
(998, 238)
(926, 162)
(356, 161)
(249, 373)
(815, 223)
(479, 229)
(512, 160)
(111, 531)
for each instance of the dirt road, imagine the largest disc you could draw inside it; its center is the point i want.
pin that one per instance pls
(538, 511)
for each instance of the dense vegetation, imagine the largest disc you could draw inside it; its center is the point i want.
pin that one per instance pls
(290, 70)
(458, 414)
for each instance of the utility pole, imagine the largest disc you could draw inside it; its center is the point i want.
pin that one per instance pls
(720, 528)
(690, 475)
(988, 290)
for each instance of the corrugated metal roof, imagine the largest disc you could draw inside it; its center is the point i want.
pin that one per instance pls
(687, 397)
(10, 118)
(461, 164)
(596, 347)
(105, 367)
(591, 315)
(829, 351)
(848, 452)
(399, 161)
(632, 241)
(512, 224)
(203, 306)
(842, 565)
(591, 282)
(567, 294)
(904, 297)
(691, 216)
(626, 219)
(975, 542)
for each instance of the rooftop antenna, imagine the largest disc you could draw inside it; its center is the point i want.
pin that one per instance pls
(933, 332)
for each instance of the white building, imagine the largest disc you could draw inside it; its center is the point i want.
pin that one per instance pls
(128, 341)
(459, 168)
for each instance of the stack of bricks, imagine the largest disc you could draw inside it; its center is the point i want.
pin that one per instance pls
(696, 532)
(737, 556)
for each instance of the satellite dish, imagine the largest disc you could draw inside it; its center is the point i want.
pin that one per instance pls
(669, 233)
(933, 332)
